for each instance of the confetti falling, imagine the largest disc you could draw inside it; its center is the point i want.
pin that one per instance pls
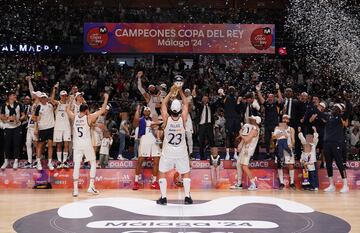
(329, 32)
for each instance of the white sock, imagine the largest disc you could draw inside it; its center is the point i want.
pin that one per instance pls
(235, 152)
(252, 181)
(16, 160)
(163, 186)
(38, 160)
(239, 172)
(136, 178)
(6, 160)
(92, 181)
(345, 182)
(76, 174)
(92, 172)
(76, 185)
(227, 151)
(153, 179)
(291, 173)
(187, 183)
(281, 176)
(331, 180)
(58, 154)
(65, 156)
(49, 161)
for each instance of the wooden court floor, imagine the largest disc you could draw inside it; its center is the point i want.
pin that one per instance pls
(15, 204)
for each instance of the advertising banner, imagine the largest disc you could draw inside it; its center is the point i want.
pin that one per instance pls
(179, 38)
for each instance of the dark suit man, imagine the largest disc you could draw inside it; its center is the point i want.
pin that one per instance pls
(206, 124)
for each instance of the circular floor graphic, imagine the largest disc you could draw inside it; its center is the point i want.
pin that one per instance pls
(228, 214)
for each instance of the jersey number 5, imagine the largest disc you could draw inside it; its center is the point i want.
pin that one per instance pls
(80, 133)
(175, 139)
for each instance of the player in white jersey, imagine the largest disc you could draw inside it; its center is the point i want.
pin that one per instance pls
(98, 129)
(31, 140)
(174, 152)
(249, 136)
(30, 135)
(148, 147)
(82, 144)
(287, 159)
(62, 129)
(153, 97)
(76, 101)
(44, 130)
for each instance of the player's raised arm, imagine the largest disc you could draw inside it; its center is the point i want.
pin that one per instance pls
(164, 104)
(92, 117)
(185, 110)
(137, 116)
(140, 87)
(52, 97)
(70, 113)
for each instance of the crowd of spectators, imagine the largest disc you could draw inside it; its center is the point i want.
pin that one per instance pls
(24, 22)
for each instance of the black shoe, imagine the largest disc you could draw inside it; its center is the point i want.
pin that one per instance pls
(188, 201)
(27, 165)
(162, 201)
(322, 165)
(292, 186)
(281, 186)
(66, 165)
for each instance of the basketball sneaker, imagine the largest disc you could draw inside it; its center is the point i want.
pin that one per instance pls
(50, 166)
(37, 165)
(59, 165)
(27, 165)
(344, 189)
(188, 200)
(281, 186)
(66, 165)
(16, 164)
(155, 185)
(236, 186)
(252, 187)
(292, 186)
(136, 186)
(93, 190)
(75, 193)
(5, 164)
(120, 157)
(236, 157)
(331, 188)
(162, 201)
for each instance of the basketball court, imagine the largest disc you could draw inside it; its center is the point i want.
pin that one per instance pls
(215, 211)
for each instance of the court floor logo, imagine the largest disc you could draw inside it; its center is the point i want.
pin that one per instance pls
(228, 214)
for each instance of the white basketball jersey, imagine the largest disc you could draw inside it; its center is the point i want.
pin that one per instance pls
(99, 120)
(250, 147)
(245, 130)
(174, 145)
(61, 118)
(154, 100)
(76, 108)
(81, 132)
(29, 113)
